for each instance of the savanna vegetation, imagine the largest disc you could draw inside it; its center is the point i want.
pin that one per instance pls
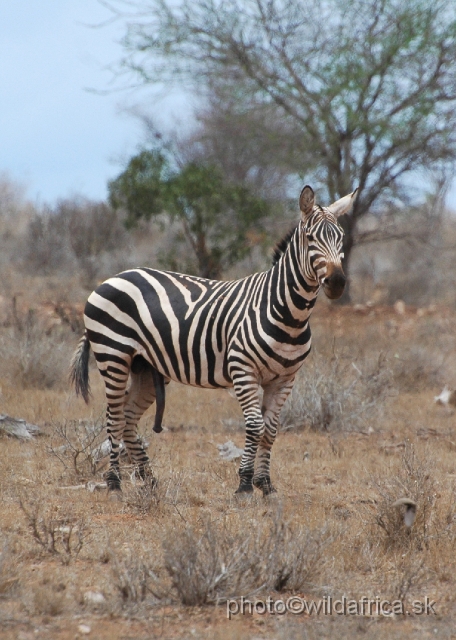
(365, 461)
(360, 432)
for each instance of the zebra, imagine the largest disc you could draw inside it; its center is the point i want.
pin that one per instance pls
(147, 327)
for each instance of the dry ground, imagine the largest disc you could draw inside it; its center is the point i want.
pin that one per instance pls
(336, 487)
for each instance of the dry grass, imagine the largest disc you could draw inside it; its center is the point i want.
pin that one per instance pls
(34, 357)
(162, 561)
(8, 578)
(339, 393)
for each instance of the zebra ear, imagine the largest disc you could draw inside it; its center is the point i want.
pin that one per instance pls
(307, 201)
(343, 205)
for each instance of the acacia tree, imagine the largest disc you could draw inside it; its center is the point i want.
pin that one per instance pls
(215, 216)
(368, 87)
(250, 143)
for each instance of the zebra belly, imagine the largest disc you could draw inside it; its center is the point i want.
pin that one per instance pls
(274, 370)
(192, 366)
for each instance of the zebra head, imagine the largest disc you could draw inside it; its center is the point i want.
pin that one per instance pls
(322, 241)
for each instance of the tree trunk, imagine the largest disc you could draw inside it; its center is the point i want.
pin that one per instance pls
(208, 267)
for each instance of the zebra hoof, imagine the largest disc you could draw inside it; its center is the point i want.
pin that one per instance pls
(265, 485)
(115, 496)
(271, 493)
(243, 489)
(113, 481)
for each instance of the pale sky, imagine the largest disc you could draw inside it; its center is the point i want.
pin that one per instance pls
(57, 138)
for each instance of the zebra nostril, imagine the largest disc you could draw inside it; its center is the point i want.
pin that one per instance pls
(338, 279)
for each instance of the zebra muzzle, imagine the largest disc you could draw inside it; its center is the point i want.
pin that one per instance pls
(334, 283)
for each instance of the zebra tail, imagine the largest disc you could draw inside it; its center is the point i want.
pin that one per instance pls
(79, 368)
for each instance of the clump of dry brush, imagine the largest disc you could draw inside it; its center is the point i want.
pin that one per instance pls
(338, 394)
(406, 506)
(413, 517)
(79, 445)
(212, 562)
(33, 354)
(54, 528)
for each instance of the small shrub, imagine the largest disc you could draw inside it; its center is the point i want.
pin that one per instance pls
(33, 355)
(213, 564)
(146, 497)
(413, 480)
(409, 574)
(295, 558)
(210, 565)
(337, 394)
(134, 579)
(77, 445)
(48, 600)
(57, 533)
(418, 368)
(151, 496)
(75, 235)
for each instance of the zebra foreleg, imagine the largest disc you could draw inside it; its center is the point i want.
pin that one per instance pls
(273, 401)
(247, 394)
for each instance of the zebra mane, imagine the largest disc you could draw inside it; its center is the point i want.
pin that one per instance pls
(282, 245)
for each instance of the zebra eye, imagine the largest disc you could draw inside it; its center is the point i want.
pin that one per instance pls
(310, 237)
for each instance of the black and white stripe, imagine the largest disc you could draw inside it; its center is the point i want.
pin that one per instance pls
(146, 325)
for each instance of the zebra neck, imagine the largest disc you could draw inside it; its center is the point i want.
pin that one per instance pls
(296, 294)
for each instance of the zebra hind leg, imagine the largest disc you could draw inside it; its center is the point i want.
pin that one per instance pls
(140, 396)
(115, 376)
(112, 476)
